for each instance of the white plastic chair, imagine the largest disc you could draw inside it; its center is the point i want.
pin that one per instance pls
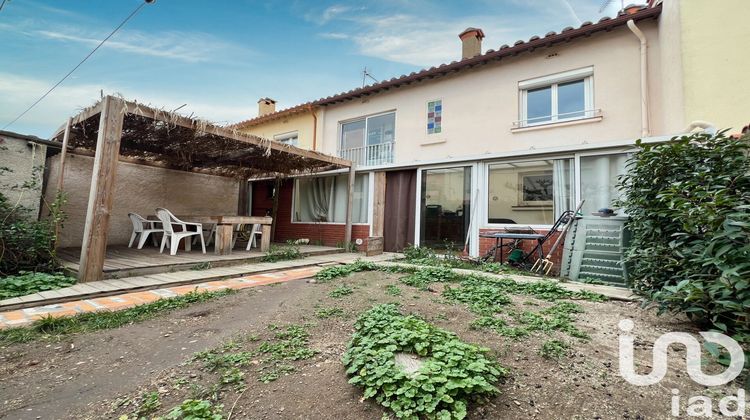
(142, 227)
(257, 231)
(169, 221)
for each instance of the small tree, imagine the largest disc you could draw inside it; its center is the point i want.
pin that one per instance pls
(688, 202)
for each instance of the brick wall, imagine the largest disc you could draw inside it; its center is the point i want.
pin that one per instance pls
(485, 244)
(318, 233)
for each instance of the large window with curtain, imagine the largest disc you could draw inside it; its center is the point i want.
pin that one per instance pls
(599, 178)
(530, 192)
(323, 199)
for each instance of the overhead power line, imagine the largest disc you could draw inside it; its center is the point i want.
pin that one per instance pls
(130, 16)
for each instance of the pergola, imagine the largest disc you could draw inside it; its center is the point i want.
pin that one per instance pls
(117, 129)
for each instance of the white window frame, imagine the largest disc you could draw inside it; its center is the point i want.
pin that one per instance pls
(369, 185)
(365, 118)
(285, 137)
(586, 74)
(485, 185)
(475, 198)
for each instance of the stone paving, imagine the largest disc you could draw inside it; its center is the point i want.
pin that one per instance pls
(26, 316)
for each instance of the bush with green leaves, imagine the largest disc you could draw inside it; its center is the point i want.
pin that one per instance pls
(27, 244)
(688, 202)
(25, 283)
(453, 373)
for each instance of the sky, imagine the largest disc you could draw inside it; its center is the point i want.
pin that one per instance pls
(219, 57)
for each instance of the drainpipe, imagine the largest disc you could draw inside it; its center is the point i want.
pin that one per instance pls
(705, 125)
(645, 131)
(315, 127)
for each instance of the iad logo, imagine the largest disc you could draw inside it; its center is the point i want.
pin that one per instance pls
(693, 361)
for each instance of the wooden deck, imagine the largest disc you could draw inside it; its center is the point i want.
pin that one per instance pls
(121, 261)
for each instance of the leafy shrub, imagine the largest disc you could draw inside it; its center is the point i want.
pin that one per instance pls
(25, 283)
(27, 244)
(689, 207)
(287, 252)
(452, 374)
(393, 290)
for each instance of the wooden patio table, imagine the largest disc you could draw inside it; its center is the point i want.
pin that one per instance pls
(224, 224)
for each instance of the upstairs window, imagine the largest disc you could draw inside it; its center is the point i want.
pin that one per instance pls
(557, 98)
(291, 138)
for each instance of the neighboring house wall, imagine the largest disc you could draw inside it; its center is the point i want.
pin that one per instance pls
(480, 106)
(715, 61)
(139, 189)
(301, 123)
(21, 172)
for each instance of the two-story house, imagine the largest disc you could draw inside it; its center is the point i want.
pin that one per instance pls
(512, 136)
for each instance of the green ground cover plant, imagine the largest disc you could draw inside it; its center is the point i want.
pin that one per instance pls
(452, 375)
(341, 291)
(25, 283)
(290, 251)
(688, 202)
(329, 312)
(554, 349)
(53, 328)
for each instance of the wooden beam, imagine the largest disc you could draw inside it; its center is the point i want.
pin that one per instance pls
(349, 204)
(63, 155)
(101, 194)
(378, 204)
(146, 111)
(81, 117)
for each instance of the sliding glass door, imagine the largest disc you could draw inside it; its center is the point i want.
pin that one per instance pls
(445, 207)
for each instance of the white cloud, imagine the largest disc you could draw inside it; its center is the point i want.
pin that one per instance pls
(18, 92)
(332, 12)
(334, 35)
(190, 47)
(410, 39)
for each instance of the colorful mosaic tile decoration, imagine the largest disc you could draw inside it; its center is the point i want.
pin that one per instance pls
(434, 116)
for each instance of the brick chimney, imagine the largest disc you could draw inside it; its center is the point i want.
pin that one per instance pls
(471, 42)
(266, 106)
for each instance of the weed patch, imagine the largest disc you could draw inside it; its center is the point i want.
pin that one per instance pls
(290, 251)
(330, 273)
(393, 290)
(554, 349)
(341, 291)
(452, 374)
(331, 312)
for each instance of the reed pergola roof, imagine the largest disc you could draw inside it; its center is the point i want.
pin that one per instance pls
(115, 128)
(163, 138)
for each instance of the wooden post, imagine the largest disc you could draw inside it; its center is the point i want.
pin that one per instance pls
(378, 207)
(274, 209)
(61, 172)
(349, 204)
(243, 200)
(101, 194)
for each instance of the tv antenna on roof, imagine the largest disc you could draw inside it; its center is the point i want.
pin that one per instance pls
(606, 4)
(365, 75)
